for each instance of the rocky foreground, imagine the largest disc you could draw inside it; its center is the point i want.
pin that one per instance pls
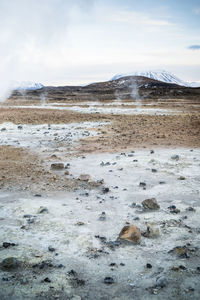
(99, 206)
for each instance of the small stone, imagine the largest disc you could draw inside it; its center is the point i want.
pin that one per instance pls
(181, 178)
(151, 151)
(181, 251)
(51, 249)
(105, 190)
(84, 177)
(27, 216)
(190, 208)
(153, 231)
(9, 263)
(154, 170)
(66, 172)
(47, 280)
(173, 209)
(57, 166)
(80, 223)
(42, 210)
(175, 157)
(149, 266)
(130, 233)
(142, 184)
(20, 127)
(102, 216)
(108, 280)
(150, 204)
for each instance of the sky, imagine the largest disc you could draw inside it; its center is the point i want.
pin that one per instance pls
(71, 42)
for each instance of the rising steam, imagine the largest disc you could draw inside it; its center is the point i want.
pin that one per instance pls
(29, 30)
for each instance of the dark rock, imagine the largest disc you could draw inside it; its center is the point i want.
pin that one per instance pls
(20, 127)
(108, 280)
(113, 265)
(37, 195)
(122, 264)
(191, 209)
(150, 204)
(9, 263)
(175, 157)
(47, 280)
(27, 216)
(182, 267)
(102, 216)
(105, 190)
(57, 166)
(151, 151)
(142, 184)
(173, 209)
(6, 245)
(42, 210)
(149, 266)
(51, 249)
(162, 182)
(154, 170)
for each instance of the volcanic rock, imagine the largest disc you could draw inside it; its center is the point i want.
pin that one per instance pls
(130, 233)
(57, 166)
(150, 204)
(9, 263)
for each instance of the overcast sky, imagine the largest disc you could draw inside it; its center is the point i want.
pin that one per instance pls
(61, 42)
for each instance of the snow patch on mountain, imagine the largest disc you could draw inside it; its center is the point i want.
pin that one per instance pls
(159, 75)
(27, 85)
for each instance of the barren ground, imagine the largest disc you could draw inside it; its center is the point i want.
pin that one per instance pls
(71, 225)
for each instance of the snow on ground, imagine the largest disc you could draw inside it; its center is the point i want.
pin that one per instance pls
(44, 136)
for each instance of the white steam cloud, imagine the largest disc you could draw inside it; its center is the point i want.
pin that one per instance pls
(27, 29)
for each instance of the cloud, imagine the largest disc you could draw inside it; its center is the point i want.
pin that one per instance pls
(194, 47)
(31, 30)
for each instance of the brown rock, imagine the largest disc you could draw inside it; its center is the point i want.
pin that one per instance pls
(130, 233)
(150, 204)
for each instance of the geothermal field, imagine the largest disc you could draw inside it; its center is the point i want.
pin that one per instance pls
(99, 193)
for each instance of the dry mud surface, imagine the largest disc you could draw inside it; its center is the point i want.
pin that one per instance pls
(61, 231)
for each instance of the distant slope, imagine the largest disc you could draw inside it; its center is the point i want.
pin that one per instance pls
(128, 87)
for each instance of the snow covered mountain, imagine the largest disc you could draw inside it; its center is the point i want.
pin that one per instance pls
(27, 85)
(159, 75)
